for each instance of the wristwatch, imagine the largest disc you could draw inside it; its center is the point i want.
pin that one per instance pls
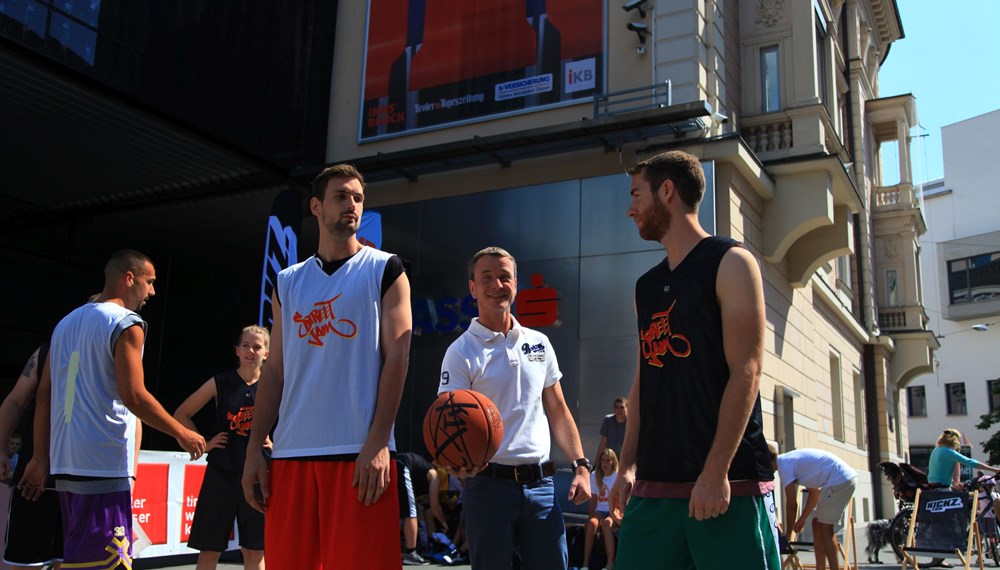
(583, 462)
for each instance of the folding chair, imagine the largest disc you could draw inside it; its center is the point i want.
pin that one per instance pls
(943, 525)
(843, 531)
(789, 554)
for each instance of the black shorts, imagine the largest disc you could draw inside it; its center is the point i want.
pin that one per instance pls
(34, 530)
(404, 487)
(219, 503)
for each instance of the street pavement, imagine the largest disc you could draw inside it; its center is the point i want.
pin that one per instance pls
(886, 556)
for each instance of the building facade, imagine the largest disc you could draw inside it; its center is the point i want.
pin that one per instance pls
(960, 261)
(506, 122)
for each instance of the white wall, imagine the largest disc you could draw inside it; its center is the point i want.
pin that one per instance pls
(964, 211)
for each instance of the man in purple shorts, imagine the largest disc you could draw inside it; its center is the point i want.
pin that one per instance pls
(85, 430)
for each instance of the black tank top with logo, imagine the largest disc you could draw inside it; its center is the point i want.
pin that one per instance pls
(683, 372)
(233, 414)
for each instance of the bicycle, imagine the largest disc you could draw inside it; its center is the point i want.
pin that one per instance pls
(986, 518)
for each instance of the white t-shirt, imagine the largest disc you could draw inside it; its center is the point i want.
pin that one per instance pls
(603, 492)
(813, 468)
(511, 371)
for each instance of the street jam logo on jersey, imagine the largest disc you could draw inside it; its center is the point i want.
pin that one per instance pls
(659, 339)
(535, 352)
(322, 321)
(241, 421)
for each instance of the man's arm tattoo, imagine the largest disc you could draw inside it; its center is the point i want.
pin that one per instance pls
(30, 365)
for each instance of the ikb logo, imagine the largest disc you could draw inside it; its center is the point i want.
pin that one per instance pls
(943, 505)
(580, 75)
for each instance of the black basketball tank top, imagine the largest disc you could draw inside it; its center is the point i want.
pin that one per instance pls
(683, 372)
(234, 406)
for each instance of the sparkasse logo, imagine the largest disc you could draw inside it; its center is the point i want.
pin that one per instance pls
(580, 75)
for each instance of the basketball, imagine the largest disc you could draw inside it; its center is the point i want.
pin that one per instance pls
(462, 429)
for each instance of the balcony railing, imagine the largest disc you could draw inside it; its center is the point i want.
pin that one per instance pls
(902, 318)
(657, 96)
(763, 138)
(898, 197)
(791, 132)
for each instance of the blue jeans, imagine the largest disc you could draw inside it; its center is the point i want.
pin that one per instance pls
(502, 516)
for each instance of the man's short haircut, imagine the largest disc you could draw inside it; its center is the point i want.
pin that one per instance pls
(495, 252)
(125, 260)
(683, 169)
(773, 452)
(621, 400)
(337, 170)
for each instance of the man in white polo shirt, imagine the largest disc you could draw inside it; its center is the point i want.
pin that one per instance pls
(830, 483)
(510, 504)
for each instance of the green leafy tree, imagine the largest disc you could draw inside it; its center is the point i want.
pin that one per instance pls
(987, 421)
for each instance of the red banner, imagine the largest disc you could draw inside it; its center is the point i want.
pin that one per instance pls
(193, 476)
(149, 500)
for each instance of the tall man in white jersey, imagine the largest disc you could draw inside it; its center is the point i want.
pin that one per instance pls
(510, 504)
(339, 353)
(85, 430)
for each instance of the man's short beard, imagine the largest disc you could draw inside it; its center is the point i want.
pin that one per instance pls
(655, 222)
(339, 228)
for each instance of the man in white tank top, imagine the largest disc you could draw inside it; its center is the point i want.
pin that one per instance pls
(339, 353)
(85, 430)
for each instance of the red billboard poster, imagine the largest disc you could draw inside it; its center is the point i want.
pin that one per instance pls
(193, 476)
(430, 63)
(149, 500)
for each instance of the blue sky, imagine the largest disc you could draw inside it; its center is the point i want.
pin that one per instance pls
(950, 61)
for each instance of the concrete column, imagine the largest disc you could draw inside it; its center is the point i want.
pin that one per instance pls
(903, 139)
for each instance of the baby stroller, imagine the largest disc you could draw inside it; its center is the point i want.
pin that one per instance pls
(905, 480)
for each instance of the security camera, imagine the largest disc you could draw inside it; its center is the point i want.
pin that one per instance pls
(720, 118)
(639, 5)
(640, 30)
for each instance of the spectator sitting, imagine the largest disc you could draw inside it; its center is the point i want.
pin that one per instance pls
(600, 517)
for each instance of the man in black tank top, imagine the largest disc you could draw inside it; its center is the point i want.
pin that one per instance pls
(694, 465)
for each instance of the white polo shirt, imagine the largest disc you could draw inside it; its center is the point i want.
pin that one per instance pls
(511, 370)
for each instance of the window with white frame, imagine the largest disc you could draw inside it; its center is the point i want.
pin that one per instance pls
(975, 278)
(891, 288)
(916, 402)
(844, 271)
(954, 394)
(770, 86)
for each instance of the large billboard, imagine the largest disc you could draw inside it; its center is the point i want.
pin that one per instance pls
(430, 63)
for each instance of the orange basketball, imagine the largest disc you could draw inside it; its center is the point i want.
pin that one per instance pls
(462, 429)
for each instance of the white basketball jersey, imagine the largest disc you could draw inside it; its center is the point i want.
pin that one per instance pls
(332, 355)
(93, 433)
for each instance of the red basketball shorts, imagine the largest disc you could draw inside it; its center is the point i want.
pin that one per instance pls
(314, 519)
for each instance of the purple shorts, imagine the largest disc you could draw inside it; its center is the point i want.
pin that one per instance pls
(97, 529)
